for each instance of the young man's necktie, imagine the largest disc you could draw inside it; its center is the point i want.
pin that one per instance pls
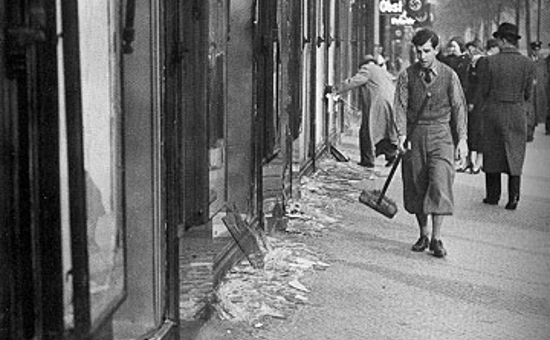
(427, 75)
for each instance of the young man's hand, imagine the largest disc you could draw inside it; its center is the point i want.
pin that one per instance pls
(403, 144)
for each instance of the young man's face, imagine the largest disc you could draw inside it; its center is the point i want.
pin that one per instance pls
(426, 54)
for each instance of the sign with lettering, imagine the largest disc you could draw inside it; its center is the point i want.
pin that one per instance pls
(402, 20)
(391, 7)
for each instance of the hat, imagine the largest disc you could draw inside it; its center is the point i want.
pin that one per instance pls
(507, 30)
(536, 45)
(367, 59)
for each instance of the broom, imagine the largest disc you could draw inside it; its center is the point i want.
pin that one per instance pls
(376, 199)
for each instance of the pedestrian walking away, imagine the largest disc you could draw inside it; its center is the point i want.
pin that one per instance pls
(440, 137)
(377, 134)
(506, 85)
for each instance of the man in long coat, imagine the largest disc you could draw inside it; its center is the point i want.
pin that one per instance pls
(427, 137)
(506, 84)
(376, 86)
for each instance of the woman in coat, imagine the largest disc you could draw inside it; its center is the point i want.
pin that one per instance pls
(475, 121)
(459, 61)
(506, 82)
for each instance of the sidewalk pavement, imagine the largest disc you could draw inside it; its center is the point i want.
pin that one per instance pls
(493, 284)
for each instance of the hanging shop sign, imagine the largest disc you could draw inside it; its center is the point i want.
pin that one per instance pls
(402, 20)
(390, 7)
(425, 17)
(420, 11)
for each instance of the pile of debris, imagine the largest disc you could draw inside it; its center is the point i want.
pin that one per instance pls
(249, 295)
(272, 287)
(335, 181)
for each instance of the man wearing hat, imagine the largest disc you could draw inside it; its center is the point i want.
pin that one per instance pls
(377, 128)
(506, 84)
(539, 100)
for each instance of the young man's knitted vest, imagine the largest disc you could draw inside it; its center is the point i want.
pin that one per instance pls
(438, 110)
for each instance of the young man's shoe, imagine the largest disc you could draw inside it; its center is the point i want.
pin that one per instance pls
(421, 245)
(436, 246)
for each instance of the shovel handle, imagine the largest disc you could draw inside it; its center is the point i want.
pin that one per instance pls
(399, 154)
(388, 180)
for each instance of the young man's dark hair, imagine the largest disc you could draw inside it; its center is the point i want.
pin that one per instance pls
(423, 36)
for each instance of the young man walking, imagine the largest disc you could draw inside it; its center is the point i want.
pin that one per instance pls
(428, 138)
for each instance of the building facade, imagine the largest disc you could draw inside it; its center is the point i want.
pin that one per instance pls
(130, 126)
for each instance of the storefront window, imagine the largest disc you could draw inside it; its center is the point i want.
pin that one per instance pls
(68, 308)
(217, 105)
(102, 153)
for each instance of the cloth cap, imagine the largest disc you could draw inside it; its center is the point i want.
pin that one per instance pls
(367, 59)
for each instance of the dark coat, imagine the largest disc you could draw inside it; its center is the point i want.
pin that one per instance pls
(540, 100)
(475, 115)
(547, 60)
(506, 84)
(461, 65)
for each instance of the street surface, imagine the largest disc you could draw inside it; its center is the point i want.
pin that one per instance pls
(493, 284)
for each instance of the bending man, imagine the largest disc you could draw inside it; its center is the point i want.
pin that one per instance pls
(377, 133)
